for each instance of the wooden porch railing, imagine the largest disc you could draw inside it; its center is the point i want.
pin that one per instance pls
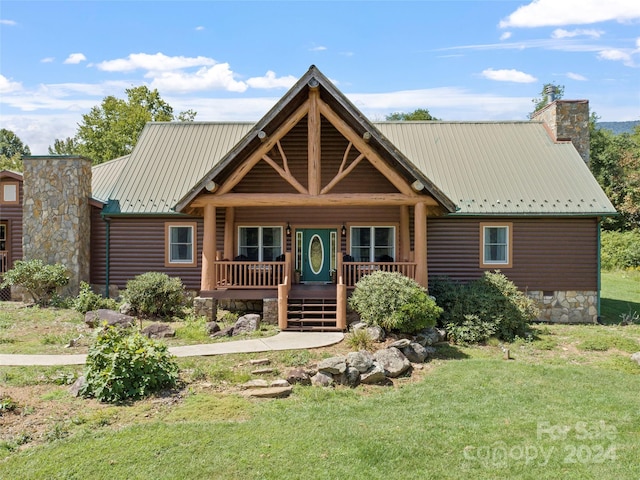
(248, 275)
(354, 271)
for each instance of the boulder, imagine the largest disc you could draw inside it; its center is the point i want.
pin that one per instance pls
(362, 360)
(400, 344)
(269, 392)
(158, 330)
(392, 361)
(333, 365)
(415, 352)
(112, 318)
(257, 383)
(279, 383)
(299, 377)
(212, 327)
(374, 375)
(636, 357)
(225, 332)
(376, 333)
(322, 379)
(78, 385)
(248, 323)
(350, 377)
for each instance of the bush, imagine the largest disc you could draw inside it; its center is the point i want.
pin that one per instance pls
(39, 279)
(87, 300)
(124, 365)
(155, 294)
(620, 250)
(491, 305)
(393, 302)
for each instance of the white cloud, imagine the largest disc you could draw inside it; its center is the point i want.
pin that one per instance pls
(199, 28)
(319, 48)
(218, 76)
(271, 81)
(9, 23)
(511, 75)
(505, 36)
(158, 62)
(47, 60)
(75, 58)
(617, 56)
(576, 76)
(562, 33)
(7, 86)
(544, 13)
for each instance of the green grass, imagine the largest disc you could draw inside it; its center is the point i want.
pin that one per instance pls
(456, 423)
(620, 295)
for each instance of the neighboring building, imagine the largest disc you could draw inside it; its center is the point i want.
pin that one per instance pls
(234, 209)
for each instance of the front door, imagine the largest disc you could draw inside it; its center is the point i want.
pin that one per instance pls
(316, 253)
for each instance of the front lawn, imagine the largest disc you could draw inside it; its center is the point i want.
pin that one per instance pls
(620, 295)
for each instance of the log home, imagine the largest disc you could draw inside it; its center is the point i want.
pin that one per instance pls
(291, 211)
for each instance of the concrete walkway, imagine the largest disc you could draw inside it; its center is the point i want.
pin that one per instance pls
(281, 341)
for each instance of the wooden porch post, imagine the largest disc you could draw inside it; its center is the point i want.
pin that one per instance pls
(405, 234)
(420, 247)
(229, 221)
(208, 278)
(313, 147)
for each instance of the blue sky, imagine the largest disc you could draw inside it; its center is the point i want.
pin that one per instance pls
(232, 60)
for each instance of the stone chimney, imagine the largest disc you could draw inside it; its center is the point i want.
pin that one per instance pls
(56, 221)
(568, 120)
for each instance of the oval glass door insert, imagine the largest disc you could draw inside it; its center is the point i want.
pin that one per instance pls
(316, 254)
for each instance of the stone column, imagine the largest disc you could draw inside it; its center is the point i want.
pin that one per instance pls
(56, 214)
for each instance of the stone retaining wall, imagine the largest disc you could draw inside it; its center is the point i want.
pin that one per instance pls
(268, 308)
(566, 306)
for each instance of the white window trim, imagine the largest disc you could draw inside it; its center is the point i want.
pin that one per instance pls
(373, 246)
(496, 264)
(169, 262)
(260, 244)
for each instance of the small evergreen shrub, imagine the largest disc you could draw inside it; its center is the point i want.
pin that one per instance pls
(155, 294)
(39, 279)
(620, 250)
(489, 306)
(359, 340)
(125, 365)
(393, 302)
(87, 300)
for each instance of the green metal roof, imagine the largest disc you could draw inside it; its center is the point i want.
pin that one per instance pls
(486, 168)
(500, 167)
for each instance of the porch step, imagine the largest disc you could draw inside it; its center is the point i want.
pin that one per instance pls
(306, 314)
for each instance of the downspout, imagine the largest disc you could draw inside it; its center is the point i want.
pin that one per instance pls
(107, 220)
(599, 281)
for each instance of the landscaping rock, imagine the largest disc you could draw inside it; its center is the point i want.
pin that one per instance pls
(158, 330)
(262, 371)
(298, 376)
(333, 365)
(392, 361)
(362, 360)
(212, 327)
(248, 323)
(270, 392)
(636, 357)
(78, 385)
(415, 352)
(225, 332)
(350, 378)
(375, 333)
(400, 344)
(322, 379)
(279, 383)
(257, 383)
(126, 308)
(373, 376)
(96, 318)
(430, 336)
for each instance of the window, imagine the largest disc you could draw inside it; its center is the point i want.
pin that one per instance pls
(260, 244)
(495, 249)
(181, 244)
(9, 192)
(373, 244)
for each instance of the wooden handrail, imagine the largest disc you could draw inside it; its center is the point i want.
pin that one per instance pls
(249, 274)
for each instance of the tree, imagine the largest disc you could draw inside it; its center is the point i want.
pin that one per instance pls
(416, 115)
(543, 100)
(111, 129)
(615, 163)
(11, 151)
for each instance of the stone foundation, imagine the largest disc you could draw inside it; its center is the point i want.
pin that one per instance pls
(114, 291)
(270, 311)
(566, 306)
(241, 306)
(206, 307)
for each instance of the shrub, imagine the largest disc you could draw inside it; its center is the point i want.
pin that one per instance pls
(155, 294)
(620, 250)
(490, 305)
(359, 340)
(393, 302)
(87, 300)
(39, 279)
(123, 365)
